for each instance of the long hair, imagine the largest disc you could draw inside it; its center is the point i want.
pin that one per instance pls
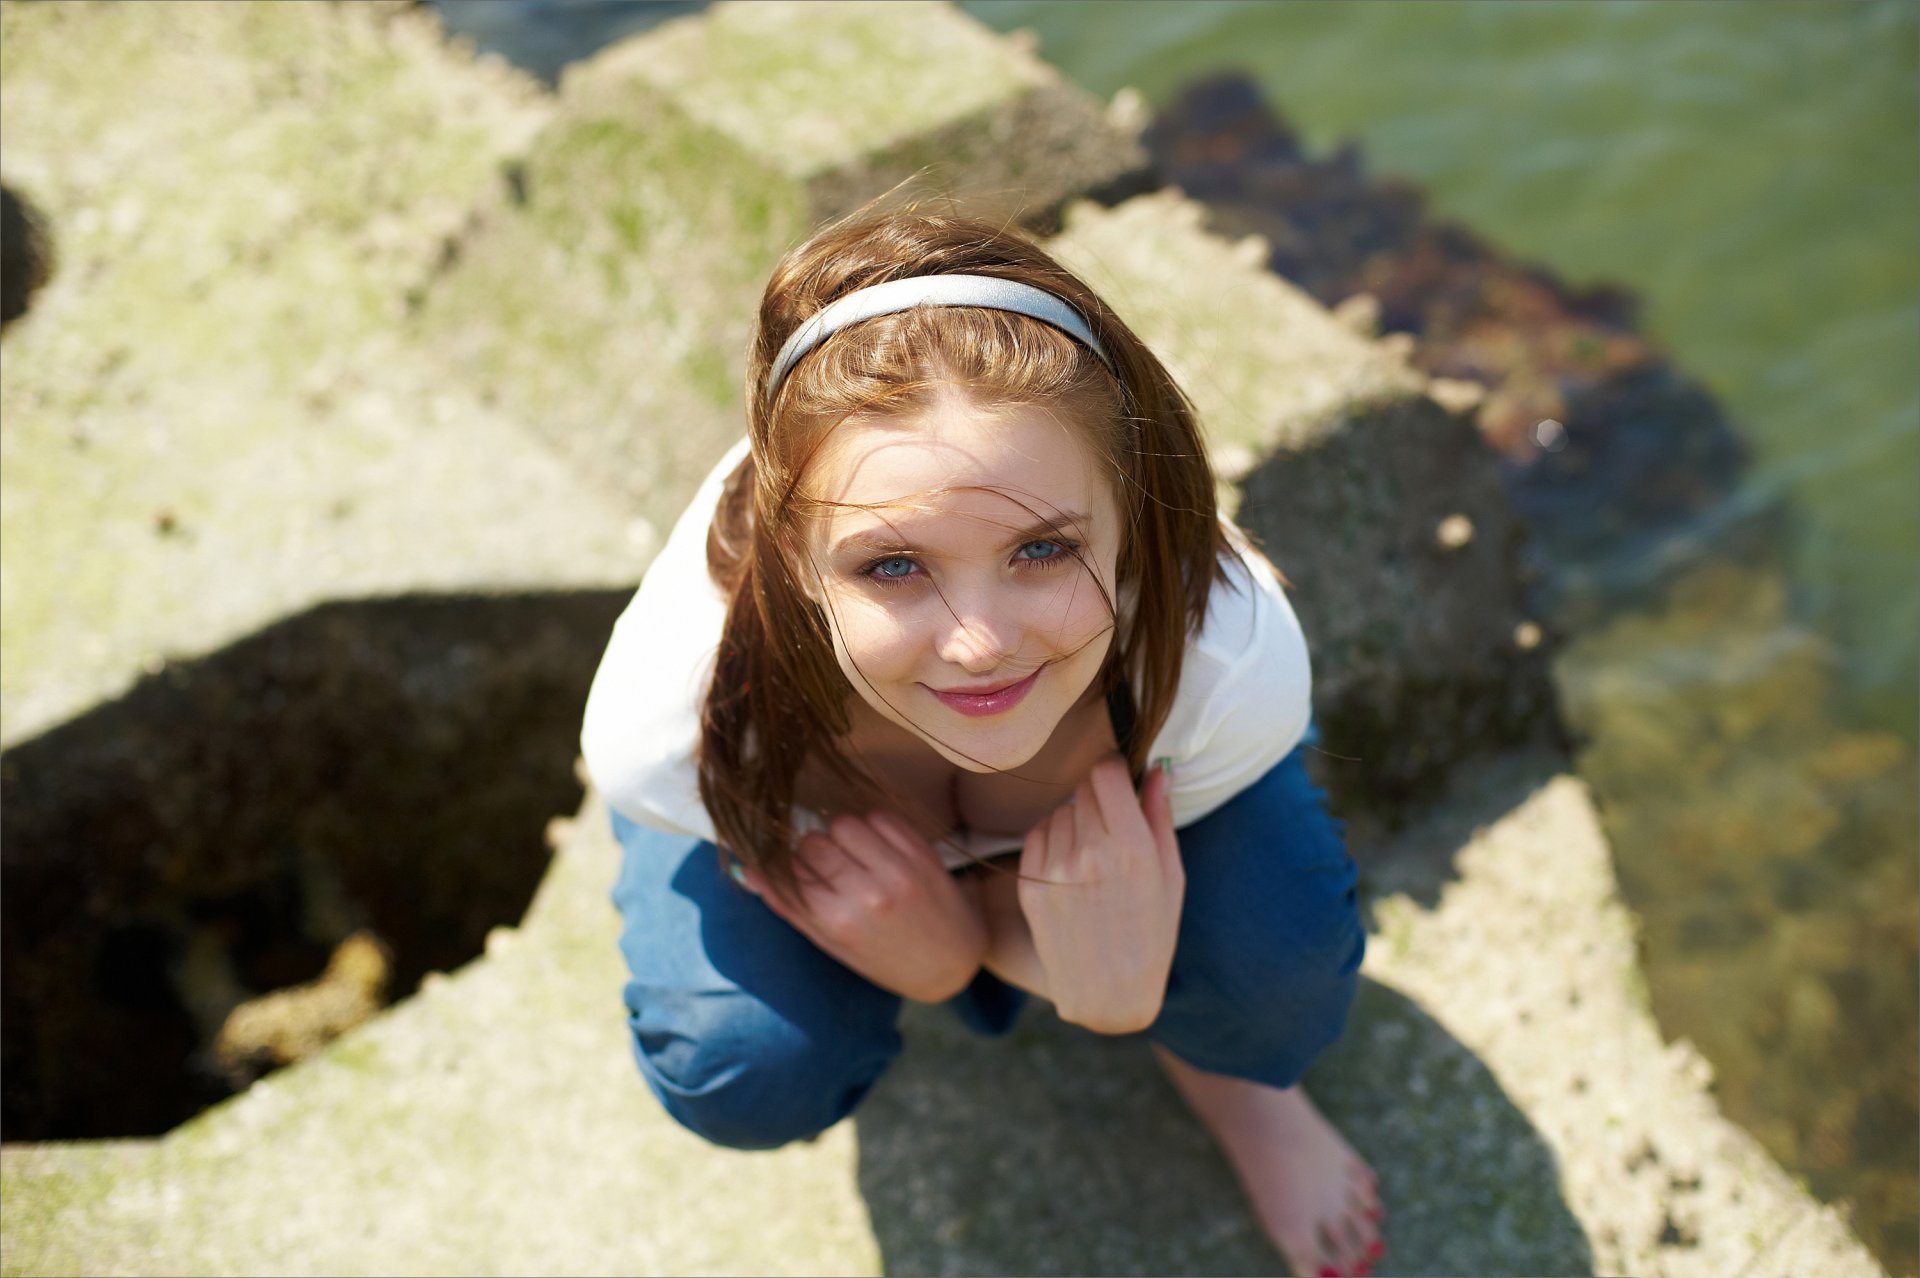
(778, 698)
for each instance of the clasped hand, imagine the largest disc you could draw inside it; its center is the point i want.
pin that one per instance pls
(874, 894)
(1091, 924)
(1101, 887)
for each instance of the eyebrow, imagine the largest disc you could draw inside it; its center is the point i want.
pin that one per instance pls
(888, 542)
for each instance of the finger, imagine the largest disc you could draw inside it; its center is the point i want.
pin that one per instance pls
(1034, 861)
(1119, 806)
(1156, 803)
(823, 864)
(904, 839)
(1064, 834)
(1088, 823)
(774, 898)
(858, 841)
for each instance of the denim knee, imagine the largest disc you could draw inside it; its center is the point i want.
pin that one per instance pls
(736, 1072)
(1263, 1003)
(1271, 940)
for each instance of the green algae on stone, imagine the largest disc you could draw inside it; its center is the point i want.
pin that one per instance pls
(213, 417)
(1266, 367)
(608, 306)
(848, 100)
(815, 85)
(494, 1123)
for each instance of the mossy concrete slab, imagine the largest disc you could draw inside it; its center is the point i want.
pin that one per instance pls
(494, 1123)
(848, 99)
(604, 296)
(1500, 1071)
(1268, 368)
(1330, 451)
(212, 417)
(1500, 918)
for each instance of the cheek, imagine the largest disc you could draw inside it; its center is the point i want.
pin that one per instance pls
(1080, 609)
(872, 639)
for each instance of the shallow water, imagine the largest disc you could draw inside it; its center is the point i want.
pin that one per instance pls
(1752, 173)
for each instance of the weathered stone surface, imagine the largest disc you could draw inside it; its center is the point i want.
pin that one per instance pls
(603, 296)
(211, 836)
(1500, 1069)
(1386, 514)
(492, 1124)
(1501, 918)
(212, 417)
(849, 99)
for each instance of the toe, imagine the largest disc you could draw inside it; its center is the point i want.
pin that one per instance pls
(1362, 1188)
(1363, 1207)
(1338, 1246)
(1349, 1247)
(1306, 1254)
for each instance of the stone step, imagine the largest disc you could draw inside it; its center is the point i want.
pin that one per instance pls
(213, 416)
(446, 375)
(1501, 1067)
(1333, 454)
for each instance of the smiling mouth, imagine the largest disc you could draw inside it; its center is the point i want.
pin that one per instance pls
(988, 701)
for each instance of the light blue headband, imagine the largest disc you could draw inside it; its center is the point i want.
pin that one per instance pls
(932, 290)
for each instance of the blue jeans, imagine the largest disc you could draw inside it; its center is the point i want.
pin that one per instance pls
(752, 1037)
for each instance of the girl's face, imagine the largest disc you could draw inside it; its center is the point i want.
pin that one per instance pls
(959, 573)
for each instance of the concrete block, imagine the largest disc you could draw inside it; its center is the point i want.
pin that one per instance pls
(213, 419)
(605, 296)
(1386, 514)
(1500, 1071)
(846, 100)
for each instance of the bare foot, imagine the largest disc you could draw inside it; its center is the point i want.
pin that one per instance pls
(1315, 1197)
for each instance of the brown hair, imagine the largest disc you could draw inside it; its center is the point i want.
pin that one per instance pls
(778, 696)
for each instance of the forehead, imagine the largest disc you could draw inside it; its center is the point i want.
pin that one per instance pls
(1022, 456)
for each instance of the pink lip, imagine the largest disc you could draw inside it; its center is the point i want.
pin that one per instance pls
(986, 701)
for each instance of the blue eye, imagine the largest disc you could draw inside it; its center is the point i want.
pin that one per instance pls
(892, 569)
(1040, 551)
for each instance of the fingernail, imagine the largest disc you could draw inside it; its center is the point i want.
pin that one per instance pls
(737, 872)
(1165, 765)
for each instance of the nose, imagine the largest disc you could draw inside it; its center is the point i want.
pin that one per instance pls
(978, 638)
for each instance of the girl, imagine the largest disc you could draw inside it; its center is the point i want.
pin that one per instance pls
(951, 685)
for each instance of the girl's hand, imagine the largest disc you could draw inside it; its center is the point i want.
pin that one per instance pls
(1101, 887)
(874, 895)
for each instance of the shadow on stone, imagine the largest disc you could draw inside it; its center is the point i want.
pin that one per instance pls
(380, 768)
(1409, 560)
(1418, 861)
(26, 254)
(1058, 1151)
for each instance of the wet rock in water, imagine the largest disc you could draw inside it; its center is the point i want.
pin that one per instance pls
(1424, 667)
(1604, 442)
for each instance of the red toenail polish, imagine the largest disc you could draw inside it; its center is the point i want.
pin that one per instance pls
(1364, 1269)
(1329, 1273)
(1376, 1251)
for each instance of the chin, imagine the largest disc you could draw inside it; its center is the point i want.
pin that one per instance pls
(988, 758)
